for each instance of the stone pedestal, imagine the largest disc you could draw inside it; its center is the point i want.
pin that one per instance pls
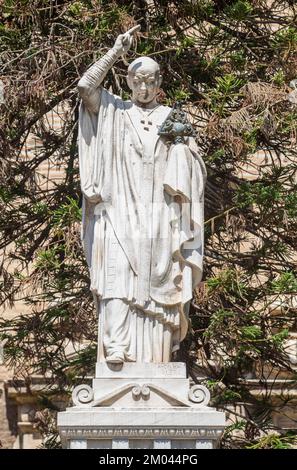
(140, 406)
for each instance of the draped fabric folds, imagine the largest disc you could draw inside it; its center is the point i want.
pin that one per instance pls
(142, 227)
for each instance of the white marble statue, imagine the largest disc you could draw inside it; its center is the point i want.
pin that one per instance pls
(142, 213)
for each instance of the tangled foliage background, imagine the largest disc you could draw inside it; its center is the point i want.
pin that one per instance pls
(231, 63)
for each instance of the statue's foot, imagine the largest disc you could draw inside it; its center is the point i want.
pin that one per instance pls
(115, 358)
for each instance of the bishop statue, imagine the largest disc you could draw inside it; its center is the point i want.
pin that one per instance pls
(142, 227)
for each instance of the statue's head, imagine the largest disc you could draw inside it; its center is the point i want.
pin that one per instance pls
(144, 79)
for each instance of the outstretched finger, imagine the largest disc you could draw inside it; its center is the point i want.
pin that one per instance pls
(132, 30)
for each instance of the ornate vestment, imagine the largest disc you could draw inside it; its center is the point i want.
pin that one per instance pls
(142, 227)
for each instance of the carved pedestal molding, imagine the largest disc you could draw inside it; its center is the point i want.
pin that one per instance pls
(152, 405)
(83, 395)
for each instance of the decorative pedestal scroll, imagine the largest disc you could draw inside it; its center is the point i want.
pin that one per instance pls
(144, 406)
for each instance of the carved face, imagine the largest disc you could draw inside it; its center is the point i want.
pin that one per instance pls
(145, 86)
(144, 81)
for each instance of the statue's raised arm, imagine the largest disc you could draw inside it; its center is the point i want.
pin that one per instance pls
(90, 82)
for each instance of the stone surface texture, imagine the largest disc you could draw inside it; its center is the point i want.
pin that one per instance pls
(135, 408)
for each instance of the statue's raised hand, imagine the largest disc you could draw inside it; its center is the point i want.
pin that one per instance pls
(124, 41)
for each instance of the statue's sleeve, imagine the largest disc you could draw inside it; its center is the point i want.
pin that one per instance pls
(185, 173)
(95, 145)
(95, 122)
(89, 86)
(95, 148)
(185, 177)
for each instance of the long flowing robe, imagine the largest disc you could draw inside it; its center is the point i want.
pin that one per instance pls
(142, 226)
